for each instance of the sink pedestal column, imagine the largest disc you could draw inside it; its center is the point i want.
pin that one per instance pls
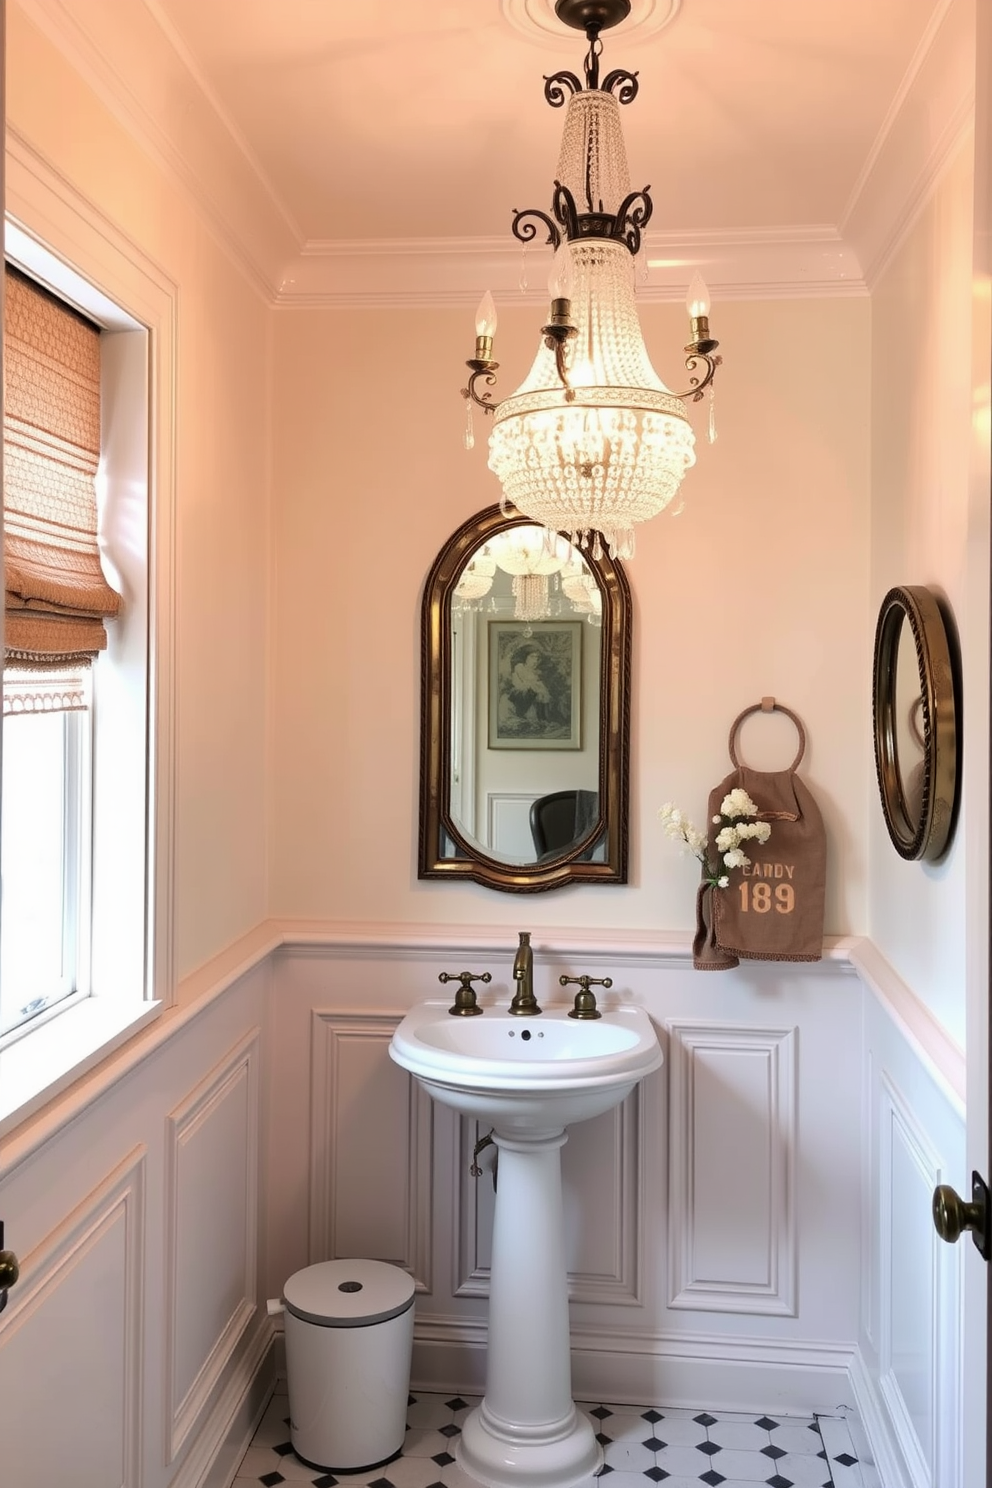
(527, 1432)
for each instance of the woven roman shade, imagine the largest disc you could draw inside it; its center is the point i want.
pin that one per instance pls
(57, 597)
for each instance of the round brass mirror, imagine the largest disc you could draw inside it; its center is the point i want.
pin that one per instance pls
(915, 725)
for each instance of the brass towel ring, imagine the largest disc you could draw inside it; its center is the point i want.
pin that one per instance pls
(767, 705)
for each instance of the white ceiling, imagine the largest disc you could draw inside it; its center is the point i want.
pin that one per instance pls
(380, 130)
(383, 119)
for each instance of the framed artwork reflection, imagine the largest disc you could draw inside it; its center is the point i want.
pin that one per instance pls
(535, 684)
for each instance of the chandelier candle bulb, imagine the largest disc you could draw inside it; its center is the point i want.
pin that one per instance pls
(485, 327)
(698, 305)
(561, 279)
(697, 300)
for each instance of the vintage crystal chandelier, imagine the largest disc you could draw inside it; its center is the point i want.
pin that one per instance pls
(592, 442)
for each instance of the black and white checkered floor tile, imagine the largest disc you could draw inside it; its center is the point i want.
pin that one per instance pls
(642, 1449)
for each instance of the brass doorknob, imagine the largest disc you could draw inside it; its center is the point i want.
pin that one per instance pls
(952, 1215)
(9, 1269)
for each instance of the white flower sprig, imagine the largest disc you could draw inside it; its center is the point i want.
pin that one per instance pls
(737, 825)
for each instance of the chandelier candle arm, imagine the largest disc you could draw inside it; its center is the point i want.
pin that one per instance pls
(557, 334)
(697, 386)
(487, 371)
(482, 364)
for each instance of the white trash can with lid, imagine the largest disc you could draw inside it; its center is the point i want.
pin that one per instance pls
(349, 1338)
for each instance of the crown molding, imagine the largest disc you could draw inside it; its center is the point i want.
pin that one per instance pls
(143, 73)
(928, 122)
(436, 272)
(140, 73)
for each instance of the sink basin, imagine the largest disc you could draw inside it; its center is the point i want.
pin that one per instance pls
(537, 1073)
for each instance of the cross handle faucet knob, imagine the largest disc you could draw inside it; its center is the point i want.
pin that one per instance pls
(585, 1001)
(465, 1005)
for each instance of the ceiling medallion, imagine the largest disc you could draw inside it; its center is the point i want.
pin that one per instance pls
(537, 21)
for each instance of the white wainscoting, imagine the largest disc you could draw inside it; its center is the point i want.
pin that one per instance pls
(709, 1148)
(371, 1177)
(508, 825)
(911, 1335)
(604, 1241)
(732, 1231)
(212, 1148)
(134, 1350)
(265, 1126)
(89, 1273)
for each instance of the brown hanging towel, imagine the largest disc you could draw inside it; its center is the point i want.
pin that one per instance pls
(771, 909)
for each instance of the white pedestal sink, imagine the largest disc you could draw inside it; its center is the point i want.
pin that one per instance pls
(528, 1078)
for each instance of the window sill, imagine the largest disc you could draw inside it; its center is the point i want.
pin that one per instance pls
(39, 1066)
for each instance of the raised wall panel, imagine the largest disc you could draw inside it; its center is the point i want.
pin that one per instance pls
(371, 1126)
(212, 1148)
(918, 1291)
(732, 1145)
(869, 1206)
(508, 825)
(600, 1199)
(71, 1345)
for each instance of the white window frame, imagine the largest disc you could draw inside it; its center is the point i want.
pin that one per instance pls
(59, 239)
(77, 867)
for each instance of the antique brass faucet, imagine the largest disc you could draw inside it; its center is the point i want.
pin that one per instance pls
(585, 1001)
(524, 1002)
(465, 1005)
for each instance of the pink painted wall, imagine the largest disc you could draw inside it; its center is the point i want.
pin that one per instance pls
(221, 495)
(930, 527)
(759, 587)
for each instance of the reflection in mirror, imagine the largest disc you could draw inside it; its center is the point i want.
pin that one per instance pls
(525, 706)
(909, 722)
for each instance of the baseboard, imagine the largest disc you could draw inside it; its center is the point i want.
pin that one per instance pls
(662, 1369)
(449, 1356)
(732, 1374)
(213, 1459)
(715, 1372)
(880, 1429)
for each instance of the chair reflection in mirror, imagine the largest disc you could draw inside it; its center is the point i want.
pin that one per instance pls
(562, 818)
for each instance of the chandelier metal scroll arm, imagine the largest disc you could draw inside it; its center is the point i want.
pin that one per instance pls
(488, 373)
(558, 86)
(525, 230)
(563, 206)
(633, 215)
(628, 84)
(697, 386)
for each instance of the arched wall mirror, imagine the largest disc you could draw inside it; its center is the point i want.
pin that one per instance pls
(525, 710)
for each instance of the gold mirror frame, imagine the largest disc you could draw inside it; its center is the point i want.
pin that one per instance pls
(920, 827)
(436, 824)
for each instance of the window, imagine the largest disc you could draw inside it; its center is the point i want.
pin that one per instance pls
(57, 599)
(90, 263)
(46, 827)
(85, 777)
